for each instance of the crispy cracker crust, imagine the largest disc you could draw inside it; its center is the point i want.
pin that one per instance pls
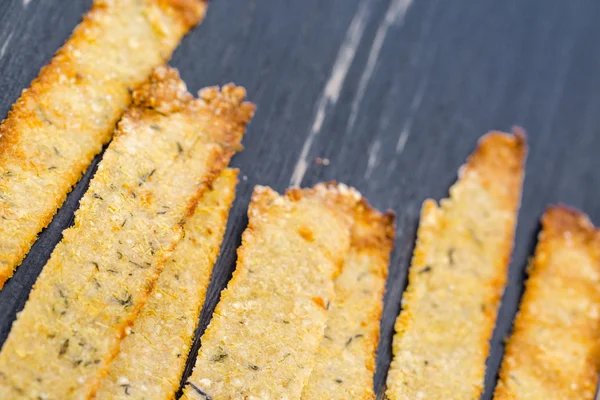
(190, 12)
(346, 356)
(163, 332)
(70, 111)
(129, 221)
(553, 351)
(457, 276)
(291, 251)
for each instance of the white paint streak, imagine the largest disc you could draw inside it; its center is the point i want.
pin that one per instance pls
(393, 16)
(414, 107)
(373, 158)
(402, 141)
(333, 87)
(5, 45)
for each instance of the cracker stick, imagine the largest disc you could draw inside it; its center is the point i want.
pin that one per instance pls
(265, 332)
(167, 149)
(153, 356)
(346, 357)
(553, 351)
(457, 276)
(61, 122)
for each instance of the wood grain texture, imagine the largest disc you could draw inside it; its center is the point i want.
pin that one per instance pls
(441, 74)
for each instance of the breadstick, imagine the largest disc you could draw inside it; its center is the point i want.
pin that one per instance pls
(61, 122)
(153, 356)
(167, 149)
(265, 332)
(457, 276)
(346, 357)
(553, 351)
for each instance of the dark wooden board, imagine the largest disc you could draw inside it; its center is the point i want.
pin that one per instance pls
(393, 93)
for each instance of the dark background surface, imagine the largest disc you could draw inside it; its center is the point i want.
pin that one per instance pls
(393, 93)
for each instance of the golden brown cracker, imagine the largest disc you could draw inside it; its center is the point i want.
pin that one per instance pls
(457, 276)
(553, 350)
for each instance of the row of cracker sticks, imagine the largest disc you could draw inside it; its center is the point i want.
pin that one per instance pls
(300, 317)
(129, 221)
(456, 280)
(168, 151)
(61, 122)
(100, 276)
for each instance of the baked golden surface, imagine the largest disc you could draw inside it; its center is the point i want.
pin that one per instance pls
(265, 331)
(345, 360)
(61, 122)
(167, 149)
(457, 276)
(553, 351)
(153, 355)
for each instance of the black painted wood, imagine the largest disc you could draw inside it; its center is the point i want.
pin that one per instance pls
(394, 93)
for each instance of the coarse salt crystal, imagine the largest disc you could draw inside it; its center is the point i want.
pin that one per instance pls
(205, 382)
